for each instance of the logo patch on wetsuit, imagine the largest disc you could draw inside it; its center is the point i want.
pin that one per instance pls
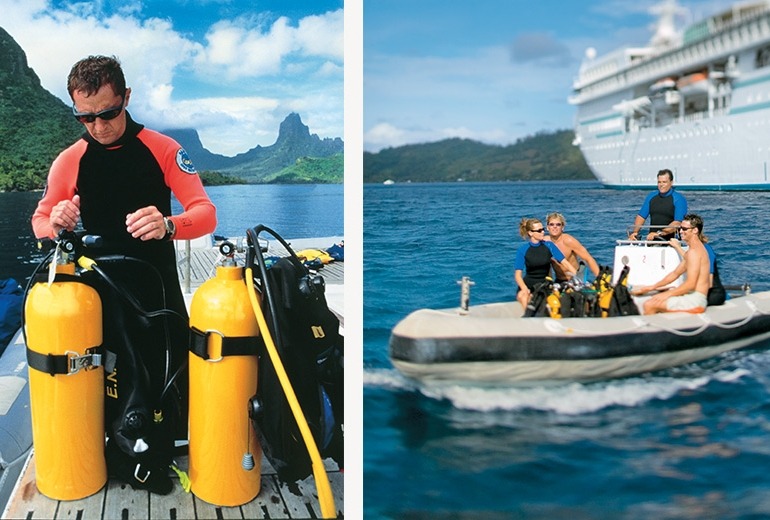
(184, 162)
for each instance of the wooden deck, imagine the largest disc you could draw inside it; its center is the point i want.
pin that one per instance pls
(119, 501)
(203, 261)
(276, 499)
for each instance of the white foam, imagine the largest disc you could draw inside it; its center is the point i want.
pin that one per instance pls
(567, 398)
(387, 378)
(571, 398)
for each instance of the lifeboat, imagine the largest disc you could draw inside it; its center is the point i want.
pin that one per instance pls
(662, 85)
(692, 84)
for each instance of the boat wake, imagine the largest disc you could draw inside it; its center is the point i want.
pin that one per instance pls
(564, 398)
(388, 378)
(574, 398)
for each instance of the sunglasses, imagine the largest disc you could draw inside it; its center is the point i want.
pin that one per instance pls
(682, 228)
(537, 230)
(555, 224)
(107, 115)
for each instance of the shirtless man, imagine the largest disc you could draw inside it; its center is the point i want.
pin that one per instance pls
(569, 245)
(690, 296)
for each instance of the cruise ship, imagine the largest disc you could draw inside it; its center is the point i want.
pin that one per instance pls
(695, 101)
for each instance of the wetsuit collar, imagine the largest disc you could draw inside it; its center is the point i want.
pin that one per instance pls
(132, 128)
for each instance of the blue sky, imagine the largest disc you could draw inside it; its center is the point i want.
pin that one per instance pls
(232, 69)
(489, 70)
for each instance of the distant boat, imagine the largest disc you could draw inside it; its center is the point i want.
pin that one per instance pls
(693, 101)
(389, 182)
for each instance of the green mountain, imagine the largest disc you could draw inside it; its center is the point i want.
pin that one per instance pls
(316, 170)
(543, 156)
(35, 125)
(265, 164)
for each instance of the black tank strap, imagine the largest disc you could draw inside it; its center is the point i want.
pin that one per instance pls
(231, 345)
(69, 363)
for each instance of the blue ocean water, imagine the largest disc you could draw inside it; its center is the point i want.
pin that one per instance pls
(293, 211)
(691, 442)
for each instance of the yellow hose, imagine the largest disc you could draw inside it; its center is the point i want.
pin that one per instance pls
(325, 497)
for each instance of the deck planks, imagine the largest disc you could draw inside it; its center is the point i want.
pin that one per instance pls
(117, 500)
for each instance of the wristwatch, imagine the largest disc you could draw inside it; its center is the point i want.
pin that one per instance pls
(170, 228)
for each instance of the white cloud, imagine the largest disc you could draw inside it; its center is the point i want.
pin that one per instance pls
(322, 35)
(240, 48)
(386, 135)
(235, 86)
(480, 95)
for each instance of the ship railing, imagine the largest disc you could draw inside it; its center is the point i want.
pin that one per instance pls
(730, 40)
(700, 116)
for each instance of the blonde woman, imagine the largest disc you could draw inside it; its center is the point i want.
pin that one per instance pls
(534, 259)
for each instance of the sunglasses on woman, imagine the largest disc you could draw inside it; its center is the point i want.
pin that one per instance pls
(107, 115)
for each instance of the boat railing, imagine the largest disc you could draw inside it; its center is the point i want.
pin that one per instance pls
(650, 228)
(185, 247)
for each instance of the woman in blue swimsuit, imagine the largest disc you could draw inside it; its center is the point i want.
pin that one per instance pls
(533, 260)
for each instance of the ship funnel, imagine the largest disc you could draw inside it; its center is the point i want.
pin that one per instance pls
(666, 34)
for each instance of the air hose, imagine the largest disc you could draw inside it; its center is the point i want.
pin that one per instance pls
(325, 497)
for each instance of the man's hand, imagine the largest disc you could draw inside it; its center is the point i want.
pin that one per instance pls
(146, 224)
(65, 215)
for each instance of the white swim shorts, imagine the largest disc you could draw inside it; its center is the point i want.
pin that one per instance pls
(691, 302)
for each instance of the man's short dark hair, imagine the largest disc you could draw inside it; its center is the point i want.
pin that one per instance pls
(92, 73)
(666, 172)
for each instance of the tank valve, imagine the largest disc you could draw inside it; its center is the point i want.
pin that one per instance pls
(227, 250)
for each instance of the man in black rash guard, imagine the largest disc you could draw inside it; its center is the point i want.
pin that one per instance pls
(665, 207)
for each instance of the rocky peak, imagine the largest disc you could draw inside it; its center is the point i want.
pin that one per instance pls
(292, 129)
(13, 63)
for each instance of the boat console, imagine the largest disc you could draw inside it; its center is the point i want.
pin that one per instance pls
(648, 262)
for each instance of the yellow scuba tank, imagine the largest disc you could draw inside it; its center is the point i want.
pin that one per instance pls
(223, 376)
(63, 326)
(605, 293)
(554, 304)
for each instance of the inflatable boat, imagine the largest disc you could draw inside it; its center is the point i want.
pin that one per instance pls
(495, 343)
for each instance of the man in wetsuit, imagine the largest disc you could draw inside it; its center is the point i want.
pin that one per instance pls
(691, 294)
(666, 207)
(117, 180)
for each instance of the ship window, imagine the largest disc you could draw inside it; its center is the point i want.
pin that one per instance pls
(763, 57)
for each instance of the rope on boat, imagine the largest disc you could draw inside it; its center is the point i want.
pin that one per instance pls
(639, 323)
(754, 310)
(708, 321)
